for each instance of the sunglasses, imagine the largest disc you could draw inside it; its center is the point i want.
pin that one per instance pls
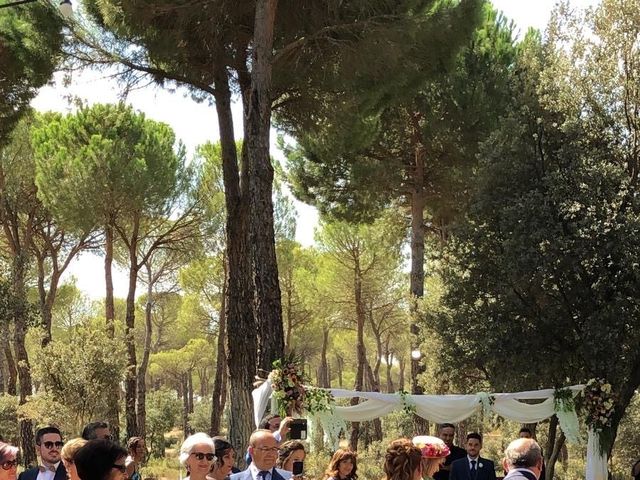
(50, 445)
(201, 456)
(122, 468)
(9, 464)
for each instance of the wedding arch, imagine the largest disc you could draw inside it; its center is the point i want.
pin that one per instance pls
(453, 409)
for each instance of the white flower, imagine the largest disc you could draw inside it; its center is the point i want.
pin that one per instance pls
(480, 465)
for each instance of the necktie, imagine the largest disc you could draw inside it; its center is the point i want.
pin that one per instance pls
(263, 474)
(44, 468)
(474, 472)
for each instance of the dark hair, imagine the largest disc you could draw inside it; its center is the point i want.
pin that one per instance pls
(475, 435)
(220, 448)
(286, 449)
(264, 423)
(89, 431)
(403, 458)
(95, 460)
(446, 425)
(341, 455)
(525, 430)
(45, 430)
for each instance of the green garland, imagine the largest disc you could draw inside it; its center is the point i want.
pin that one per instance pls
(408, 406)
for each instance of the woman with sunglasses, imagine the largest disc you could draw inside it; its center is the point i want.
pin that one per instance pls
(101, 460)
(8, 461)
(197, 455)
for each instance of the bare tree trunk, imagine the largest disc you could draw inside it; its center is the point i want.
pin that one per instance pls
(267, 307)
(144, 362)
(388, 356)
(402, 365)
(217, 401)
(340, 367)
(241, 329)
(360, 347)
(130, 383)
(110, 315)
(185, 405)
(417, 261)
(20, 319)
(323, 370)
(5, 350)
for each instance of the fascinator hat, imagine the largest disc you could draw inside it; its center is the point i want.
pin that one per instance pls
(432, 447)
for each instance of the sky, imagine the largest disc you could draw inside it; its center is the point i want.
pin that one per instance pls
(195, 123)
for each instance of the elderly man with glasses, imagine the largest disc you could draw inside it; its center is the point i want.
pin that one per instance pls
(48, 446)
(263, 448)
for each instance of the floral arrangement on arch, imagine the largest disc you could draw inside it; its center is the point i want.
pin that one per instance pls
(599, 403)
(287, 381)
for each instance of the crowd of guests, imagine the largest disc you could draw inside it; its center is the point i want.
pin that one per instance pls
(269, 456)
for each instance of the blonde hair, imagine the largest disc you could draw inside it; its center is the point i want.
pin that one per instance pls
(70, 448)
(402, 459)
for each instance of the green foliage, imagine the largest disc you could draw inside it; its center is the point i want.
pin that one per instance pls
(77, 373)
(163, 412)
(103, 162)
(30, 41)
(200, 419)
(9, 418)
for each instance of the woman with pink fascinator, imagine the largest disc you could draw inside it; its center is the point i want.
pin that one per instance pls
(434, 451)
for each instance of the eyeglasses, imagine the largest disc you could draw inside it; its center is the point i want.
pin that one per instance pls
(268, 449)
(122, 468)
(50, 445)
(9, 464)
(201, 456)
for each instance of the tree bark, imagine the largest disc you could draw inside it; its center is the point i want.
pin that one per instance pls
(402, 365)
(323, 370)
(360, 346)
(5, 350)
(185, 405)
(130, 383)
(144, 362)
(113, 412)
(241, 330)
(257, 126)
(388, 355)
(218, 400)
(417, 260)
(20, 319)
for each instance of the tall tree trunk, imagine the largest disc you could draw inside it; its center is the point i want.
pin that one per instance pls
(402, 365)
(340, 367)
(130, 382)
(388, 356)
(323, 370)
(190, 389)
(241, 326)
(217, 401)
(417, 260)
(360, 347)
(22, 360)
(11, 374)
(267, 307)
(113, 412)
(185, 404)
(144, 362)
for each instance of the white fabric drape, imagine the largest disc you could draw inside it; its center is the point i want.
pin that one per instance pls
(596, 460)
(455, 408)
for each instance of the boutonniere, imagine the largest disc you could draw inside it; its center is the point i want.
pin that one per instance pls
(480, 465)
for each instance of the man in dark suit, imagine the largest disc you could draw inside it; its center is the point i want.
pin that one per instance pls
(473, 466)
(447, 432)
(48, 446)
(263, 448)
(523, 460)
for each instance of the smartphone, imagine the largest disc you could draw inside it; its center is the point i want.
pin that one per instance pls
(298, 468)
(298, 429)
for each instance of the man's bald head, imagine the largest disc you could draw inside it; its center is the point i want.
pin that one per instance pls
(523, 453)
